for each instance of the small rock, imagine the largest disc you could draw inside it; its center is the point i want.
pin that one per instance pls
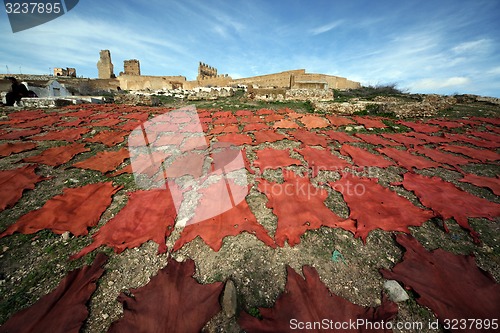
(359, 127)
(349, 128)
(105, 316)
(110, 283)
(5, 249)
(395, 291)
(65, 236)
(229, 301)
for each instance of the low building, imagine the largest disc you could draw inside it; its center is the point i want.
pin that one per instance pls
(47, 88)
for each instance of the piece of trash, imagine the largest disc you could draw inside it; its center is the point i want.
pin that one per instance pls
(337, 256)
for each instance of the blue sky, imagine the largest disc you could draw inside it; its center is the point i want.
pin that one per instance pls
(437, 46)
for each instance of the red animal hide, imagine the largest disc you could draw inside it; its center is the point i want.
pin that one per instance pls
(172, 301)
(16, 135)
(231, 221)
(452, 286)
(473, 141)
(428, 138)
(57, 155)
(108, 138)
(64, 309)
(218, 129)
(14, 182)
(404, 139)
(236, 139)
(447, 124)
(8, 148)
(322, 160)
(442, 157)
(408, 160)
(69, 135)
(448, 201)
(369, 122)
(489, 182)
(311, 121)
(285, 123)
(299, 207)
(40, 122)
(148, 215)
(487, 136)
(482, 155)
(374, 139)
(341, 137)
(106, 122)
(373, 206)
(270, 158)
(104, 161)
(339, 121)
(27, 114)
(255, 127)
(188, 164)
(308, 300)
(268, 136)
(493, 121)
(419, 127)
(76, 210)
(363, 158)
(310, 138)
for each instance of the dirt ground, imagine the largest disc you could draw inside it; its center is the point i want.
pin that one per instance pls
(33, 265)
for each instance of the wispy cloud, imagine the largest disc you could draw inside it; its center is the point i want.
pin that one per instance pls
(476, 46)
(440, 83)
(327, 27)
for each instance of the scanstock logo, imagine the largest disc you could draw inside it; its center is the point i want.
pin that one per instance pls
(172, 153)
(26, 14)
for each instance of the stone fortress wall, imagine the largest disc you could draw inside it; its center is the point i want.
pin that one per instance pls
(105, 66)
(132, 80)
(208, 76)
(131, 67)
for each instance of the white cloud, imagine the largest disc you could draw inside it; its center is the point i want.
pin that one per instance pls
(437, 83)
(476, 46)
(494, 71)
(326, 27)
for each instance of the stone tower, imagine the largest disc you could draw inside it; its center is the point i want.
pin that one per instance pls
(205, 71)
(132, 67)
(105, 66)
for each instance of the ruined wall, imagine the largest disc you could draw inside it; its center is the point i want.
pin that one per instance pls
(278, 80)
(105, 66)
(103, 84)
(143, 82)
(131, 67)
(334, 82)
(65, 71)
(218, 81)
(206, 71)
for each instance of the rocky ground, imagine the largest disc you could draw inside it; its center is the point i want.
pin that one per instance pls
(32, 265)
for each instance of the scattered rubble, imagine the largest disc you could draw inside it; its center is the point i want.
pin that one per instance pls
(427, 107)
(340, 108)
